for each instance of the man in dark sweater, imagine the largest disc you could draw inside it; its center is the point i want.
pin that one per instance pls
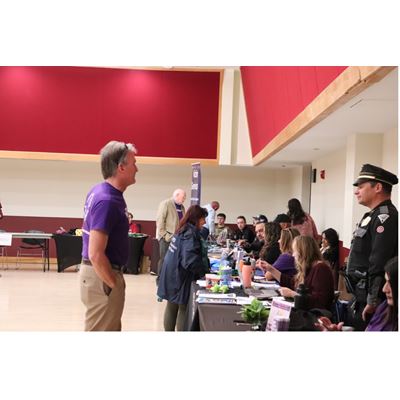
(243, 234)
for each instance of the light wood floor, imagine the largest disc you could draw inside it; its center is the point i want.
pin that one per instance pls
(33, 300)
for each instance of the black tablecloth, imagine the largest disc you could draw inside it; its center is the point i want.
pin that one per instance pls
(69, 252)
(136, 245)
(213, 317)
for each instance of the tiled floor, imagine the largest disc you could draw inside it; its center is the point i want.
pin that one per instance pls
(33, 300)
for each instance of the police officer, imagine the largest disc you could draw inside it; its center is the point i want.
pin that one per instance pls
(374, 241)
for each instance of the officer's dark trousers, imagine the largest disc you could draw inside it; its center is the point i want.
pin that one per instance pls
(356, 321)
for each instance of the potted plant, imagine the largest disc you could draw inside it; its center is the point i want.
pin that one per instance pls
(254, 313)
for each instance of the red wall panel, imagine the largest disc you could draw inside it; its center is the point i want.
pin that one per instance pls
(274, 96)
(78, 110)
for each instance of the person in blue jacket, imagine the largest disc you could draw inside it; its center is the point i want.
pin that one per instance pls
(186, 261)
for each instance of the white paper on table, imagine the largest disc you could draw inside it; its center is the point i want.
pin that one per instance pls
(243, 300)
(218, 295)
(201, 283)
(272, 285)
(5, 239)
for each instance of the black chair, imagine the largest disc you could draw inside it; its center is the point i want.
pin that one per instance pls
(349, 285)
(31, 248)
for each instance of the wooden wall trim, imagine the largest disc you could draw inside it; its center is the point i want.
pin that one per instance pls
(31, 155)
(347, 85)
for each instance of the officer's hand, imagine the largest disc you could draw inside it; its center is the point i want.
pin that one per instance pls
(325, 324)
(368, 311)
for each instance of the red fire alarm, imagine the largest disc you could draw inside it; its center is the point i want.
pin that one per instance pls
(322, 174)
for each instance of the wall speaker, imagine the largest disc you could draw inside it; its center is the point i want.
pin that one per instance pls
(314, 175)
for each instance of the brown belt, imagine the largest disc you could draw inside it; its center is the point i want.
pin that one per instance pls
(113, 266)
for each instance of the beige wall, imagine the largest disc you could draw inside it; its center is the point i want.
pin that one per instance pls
(327, 197)
(333, 204)
(58, 188)
(390, 158)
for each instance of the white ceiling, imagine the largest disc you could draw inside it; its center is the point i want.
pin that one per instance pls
(375, 110)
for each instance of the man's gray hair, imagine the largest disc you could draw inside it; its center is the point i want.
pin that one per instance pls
(113, 154)
(178, 192)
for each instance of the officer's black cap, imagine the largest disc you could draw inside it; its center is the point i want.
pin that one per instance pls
(282, 218)
(371, 172)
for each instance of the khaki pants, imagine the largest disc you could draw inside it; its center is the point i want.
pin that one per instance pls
(163, 244)
(103, 312)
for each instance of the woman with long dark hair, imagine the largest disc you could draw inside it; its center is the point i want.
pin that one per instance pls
(301, 220)
(186, 261)
(270, 250)
(330, 251)
(386, 315)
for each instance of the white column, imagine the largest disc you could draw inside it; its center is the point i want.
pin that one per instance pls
(225, 145)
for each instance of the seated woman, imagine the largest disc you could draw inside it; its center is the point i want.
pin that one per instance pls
(270, 250)
(185, 262)
(285, 263)
(330, 252)
(315, 274)
(133, 227)
(385, 317)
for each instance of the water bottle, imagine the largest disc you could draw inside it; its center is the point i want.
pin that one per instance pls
(247, 273)
(301, 297)
(239, 258)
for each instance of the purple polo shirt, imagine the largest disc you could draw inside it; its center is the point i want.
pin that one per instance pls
(105, 210)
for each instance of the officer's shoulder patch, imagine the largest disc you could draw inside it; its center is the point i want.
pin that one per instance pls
(383, 217)
(383, 209)
(380, 229)
(366, 221)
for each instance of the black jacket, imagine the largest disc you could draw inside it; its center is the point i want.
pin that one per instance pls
(246, 234)
(185, 262)
(374, 243)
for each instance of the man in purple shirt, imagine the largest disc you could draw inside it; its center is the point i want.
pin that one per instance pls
(105, 239)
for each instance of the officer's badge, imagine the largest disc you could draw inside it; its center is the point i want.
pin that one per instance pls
(365, 221)
(383, 217)
(380, 229)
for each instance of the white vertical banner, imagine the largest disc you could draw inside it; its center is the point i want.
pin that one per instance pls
(195, 196)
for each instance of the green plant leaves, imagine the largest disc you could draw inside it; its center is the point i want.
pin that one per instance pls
(255, 312)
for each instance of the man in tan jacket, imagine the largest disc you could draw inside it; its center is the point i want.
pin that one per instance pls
(170, 212)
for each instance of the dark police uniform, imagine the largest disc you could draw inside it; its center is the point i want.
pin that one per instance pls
(374, 243)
